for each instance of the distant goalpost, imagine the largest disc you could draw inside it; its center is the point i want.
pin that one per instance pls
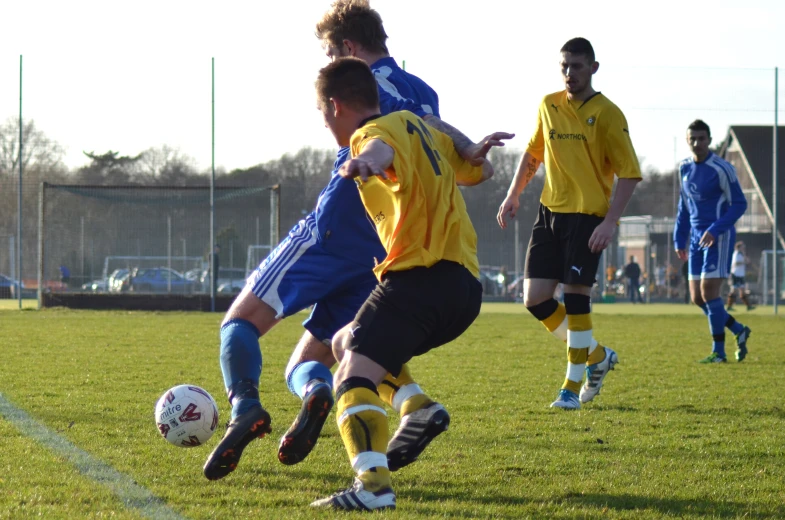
(769, 293)
(91, 231)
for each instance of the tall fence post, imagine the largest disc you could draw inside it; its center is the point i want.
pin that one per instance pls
(774, 196)
(41, 209)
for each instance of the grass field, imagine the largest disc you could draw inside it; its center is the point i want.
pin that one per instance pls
(668, 438)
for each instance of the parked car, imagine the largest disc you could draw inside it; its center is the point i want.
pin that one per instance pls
(8, 287)
(228, 277)
(158, 280)
(100, 285)
(116, 280)
(193, 274)
(233, 287)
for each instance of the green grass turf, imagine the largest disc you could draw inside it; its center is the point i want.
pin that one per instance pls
(667, 438)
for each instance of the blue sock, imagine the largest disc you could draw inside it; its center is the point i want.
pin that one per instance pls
(241, 364)
(734, 326)
(304, 372)
(718, 316)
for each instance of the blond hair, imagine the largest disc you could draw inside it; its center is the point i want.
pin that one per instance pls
(353, 20)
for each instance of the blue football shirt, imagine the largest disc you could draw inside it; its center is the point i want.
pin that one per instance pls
(342, 224)
(710, 200)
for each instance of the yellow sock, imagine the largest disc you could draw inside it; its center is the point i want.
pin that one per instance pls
(362, 422)
(402, 393)
(579, 339)
(596, 355)
(556, 323)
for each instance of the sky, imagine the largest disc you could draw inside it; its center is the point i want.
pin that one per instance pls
(122, 76)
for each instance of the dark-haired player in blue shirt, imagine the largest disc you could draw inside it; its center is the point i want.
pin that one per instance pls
(710, 203)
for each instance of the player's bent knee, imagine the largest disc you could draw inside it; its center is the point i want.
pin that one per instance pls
(340, 343)
(310, 348)
(247, 306)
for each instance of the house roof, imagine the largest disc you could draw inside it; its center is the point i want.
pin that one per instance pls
(756, 144)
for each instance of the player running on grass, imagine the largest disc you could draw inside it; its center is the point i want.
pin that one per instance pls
(582, 139)
(428, 292)
(327, 261)
(710, 203)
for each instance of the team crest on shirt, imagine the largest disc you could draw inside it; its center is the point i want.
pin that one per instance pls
(591, 121)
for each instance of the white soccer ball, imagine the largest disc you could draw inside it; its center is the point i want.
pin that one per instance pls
(186, 416)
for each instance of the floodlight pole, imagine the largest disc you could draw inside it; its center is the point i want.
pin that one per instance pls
(775, 205)
(19, 210)
(212, 199)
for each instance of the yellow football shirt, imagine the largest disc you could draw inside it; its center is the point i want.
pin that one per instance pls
(419, 212)
(582, 145)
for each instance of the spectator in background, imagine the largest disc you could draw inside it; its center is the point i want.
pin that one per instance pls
(685, 274)
(738, 270)
(65, 275)
(659, 279)
(632, 272)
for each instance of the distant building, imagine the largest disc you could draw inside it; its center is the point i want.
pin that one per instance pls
(749, 150)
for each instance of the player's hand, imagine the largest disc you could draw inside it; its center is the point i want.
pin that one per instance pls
(602, 236)
(682, 254)
(707, 240)
(477, 152)
(507, 209)
(360, 167)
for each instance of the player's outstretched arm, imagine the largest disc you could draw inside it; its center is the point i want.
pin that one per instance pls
(527, 167)
(473, 152)
(373, 159)
(603, 233)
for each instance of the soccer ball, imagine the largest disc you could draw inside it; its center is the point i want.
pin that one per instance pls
(186, 416)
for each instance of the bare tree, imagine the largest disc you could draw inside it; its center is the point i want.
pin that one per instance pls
(166, 165)
(37, 149)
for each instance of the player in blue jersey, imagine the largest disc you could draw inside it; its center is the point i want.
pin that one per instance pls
(710, 203)
(326, 262)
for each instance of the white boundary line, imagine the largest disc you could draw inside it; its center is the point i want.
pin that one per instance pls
(132, 495)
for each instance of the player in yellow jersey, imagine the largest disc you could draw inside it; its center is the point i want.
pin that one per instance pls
(583, 140)
(428, 292)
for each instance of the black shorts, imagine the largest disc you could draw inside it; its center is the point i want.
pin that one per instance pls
(411, 312)
(559, 248)
(737, 281)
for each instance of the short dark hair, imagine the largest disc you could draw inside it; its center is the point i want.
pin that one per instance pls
(699, 125)
(350, 80)
(580, 46)
(353, 20)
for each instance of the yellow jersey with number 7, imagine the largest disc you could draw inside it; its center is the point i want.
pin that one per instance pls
(418, 211)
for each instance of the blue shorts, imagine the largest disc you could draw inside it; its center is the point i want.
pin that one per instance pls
(714, 261)
(299, 273)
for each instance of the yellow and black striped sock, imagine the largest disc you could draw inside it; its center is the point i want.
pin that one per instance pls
(402, 393)
(579, 338)
(362, 422)
(553, 316)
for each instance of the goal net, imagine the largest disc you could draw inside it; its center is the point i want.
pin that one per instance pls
(152, 240)
(766, 277)
(256, 253)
